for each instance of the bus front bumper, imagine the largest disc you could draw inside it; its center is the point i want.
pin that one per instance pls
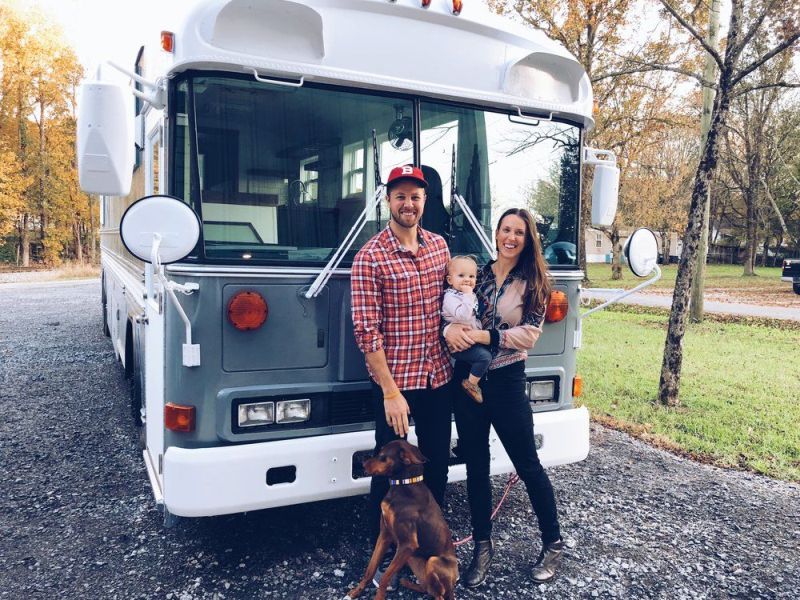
(215, 481)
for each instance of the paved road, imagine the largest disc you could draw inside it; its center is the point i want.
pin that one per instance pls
(77, 519)
(728, 308)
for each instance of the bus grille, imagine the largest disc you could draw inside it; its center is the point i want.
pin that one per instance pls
(351, 407)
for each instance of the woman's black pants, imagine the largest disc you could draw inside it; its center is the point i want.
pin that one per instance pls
(506, 407)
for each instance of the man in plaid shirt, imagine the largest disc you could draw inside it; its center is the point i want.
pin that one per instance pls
(397, 282)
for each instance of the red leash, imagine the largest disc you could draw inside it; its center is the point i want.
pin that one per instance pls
(509, 484)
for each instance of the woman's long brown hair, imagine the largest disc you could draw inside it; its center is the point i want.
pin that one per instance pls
(531, 264)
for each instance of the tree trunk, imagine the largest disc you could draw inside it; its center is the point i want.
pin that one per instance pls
(616, 253)
(78, 242)
(25, 242)
(709, 71)
(750, 234)
(668, 248)
(42, 176)
(669, 383)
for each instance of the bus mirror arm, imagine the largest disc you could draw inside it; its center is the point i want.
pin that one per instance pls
(579, 330)
(191, 352)
(154, 97)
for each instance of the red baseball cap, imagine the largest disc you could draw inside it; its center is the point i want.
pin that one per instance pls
(406, 172)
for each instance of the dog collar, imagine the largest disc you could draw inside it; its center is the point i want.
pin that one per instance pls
(416, 479)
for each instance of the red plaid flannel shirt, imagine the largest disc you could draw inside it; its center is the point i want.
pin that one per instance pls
(397, 300)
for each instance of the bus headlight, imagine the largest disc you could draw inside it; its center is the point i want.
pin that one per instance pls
(256, 413)
(541, 391)
(293, 411)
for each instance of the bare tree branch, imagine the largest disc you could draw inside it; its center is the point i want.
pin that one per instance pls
(744, 72)
(777, 211)
(649, 67)
(753, 28)
(699, 37)
(777, 84)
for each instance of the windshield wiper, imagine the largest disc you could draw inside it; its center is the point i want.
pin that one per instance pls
(471, 218)
(355, 230)
(333, 263)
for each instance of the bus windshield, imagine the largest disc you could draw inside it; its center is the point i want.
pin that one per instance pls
(280, 174)
(503, 162)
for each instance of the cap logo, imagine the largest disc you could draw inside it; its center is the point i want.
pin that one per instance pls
(409, 172)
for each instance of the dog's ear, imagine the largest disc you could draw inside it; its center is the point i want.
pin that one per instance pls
(412, 456)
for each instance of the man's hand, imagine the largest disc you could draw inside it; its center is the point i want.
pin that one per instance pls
(397, 412)
(457, 338)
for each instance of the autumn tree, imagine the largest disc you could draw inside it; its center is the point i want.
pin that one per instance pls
(752, 138)
(777, 21)
(782, 190)
(633, 107)
(660, 177)
(39, 72)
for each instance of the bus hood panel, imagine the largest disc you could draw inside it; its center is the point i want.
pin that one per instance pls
(351, 364)
(294, 336)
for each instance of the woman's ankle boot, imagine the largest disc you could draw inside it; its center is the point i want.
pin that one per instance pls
(549, 560)
(479, 567)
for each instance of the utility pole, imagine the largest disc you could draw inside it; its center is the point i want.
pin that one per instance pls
(709, 74)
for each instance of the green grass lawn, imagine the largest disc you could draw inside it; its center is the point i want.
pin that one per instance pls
(740, 389)
(717, 276)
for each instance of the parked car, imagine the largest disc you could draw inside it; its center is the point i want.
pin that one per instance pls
(791, 272)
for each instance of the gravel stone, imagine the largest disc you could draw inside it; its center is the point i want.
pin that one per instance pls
(77, 518)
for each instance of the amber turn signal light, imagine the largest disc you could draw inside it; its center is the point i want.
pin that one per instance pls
(247, 311)
(557, 307)
(167, 41)
(577, 386)
(178, 417)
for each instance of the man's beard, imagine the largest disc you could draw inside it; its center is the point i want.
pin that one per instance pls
(397, 218)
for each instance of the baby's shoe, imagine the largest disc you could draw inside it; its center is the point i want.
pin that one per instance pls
(473, 390)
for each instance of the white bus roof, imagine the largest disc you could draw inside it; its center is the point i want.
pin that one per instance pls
(475, 57)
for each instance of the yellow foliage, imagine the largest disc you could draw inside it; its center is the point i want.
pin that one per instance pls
(39, 73)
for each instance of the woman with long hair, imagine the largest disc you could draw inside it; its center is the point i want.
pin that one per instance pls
(512, 293)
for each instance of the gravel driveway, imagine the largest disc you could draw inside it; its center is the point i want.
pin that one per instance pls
(77, 518)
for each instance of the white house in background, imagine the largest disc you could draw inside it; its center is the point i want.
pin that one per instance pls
(599, 250)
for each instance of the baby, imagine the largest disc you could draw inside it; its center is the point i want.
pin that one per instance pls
(459, 306)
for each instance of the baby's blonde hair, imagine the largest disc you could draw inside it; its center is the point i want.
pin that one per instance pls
(468, 257)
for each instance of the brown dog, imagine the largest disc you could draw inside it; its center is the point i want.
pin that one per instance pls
(413, 522)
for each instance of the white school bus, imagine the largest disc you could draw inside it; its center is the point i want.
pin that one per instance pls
(249, 175)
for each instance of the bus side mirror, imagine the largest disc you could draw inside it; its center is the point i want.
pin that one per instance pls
(641, 251)
(605, 188)
(160, 229)
(105, 139)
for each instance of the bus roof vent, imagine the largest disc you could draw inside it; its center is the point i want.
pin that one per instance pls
(280, 28)
(548, 77)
